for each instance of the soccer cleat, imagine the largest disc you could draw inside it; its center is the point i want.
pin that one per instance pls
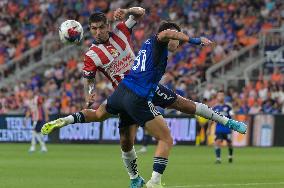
(137, 182)
(32, 149)
(230, 160)
(150, 184)
(43, 150)
(218, 162)
(142, 150)
(237, 126)
(50, 126)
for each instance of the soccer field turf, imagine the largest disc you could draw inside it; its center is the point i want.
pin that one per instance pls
(100, 166)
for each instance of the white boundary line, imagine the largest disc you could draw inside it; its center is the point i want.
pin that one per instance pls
(225, 185)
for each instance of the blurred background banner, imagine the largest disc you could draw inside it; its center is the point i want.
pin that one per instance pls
(263, 130)
(16, 128)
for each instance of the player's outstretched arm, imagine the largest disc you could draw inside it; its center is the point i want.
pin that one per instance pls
(137, 12)
(89, 85)
(167, 35)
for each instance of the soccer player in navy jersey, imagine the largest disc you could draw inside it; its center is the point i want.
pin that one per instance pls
(222, 132)
(132, 100)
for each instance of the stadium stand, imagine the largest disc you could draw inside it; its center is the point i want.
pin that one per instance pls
(233, 25)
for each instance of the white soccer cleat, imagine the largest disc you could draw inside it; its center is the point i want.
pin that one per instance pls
(32, 149)
(150, 184)
(142, 150)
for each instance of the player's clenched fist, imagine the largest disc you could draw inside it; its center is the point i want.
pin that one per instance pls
(120, 14)
(206, 42)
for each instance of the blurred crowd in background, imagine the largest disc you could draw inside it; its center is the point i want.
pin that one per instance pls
(233, 25)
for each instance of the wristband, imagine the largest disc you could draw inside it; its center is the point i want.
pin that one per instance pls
(195, 40)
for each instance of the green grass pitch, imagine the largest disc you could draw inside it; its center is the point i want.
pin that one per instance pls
(100, 166)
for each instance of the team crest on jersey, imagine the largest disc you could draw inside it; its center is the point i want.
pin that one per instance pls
(114, 53)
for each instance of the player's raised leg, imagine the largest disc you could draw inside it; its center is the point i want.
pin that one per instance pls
(189, 107)
(84, 116)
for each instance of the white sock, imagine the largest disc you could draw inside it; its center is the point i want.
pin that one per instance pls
(41, 141)
(33, 141)
(156, 177)
(129, 160)
(206, 112)
(69, 119)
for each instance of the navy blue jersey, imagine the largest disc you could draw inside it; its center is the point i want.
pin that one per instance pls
(148, 68)
(225, 110)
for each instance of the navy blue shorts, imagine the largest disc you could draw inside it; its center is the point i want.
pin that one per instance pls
(38, 126)
(224, 136)
(164, 97)
(131, 108)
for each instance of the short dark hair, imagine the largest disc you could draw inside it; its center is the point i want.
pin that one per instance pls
(97, 17)
(168, 25)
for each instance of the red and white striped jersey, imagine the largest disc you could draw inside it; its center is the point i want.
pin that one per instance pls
(113, 58)
(35, 106)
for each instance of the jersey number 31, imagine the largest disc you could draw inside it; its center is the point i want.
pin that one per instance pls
(140, 62)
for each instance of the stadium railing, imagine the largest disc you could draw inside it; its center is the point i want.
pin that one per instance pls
(232, 68)
(259, 65)
(272, 45)
(48, 53)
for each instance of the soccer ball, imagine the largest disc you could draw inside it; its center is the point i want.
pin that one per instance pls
(71, 31)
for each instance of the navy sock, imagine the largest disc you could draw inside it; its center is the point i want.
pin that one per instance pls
(78, 117)
(218, 152)
(230, 151)
(160, 164)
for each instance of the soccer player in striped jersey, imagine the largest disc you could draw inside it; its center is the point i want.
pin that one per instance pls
(111, 56)
(39, 115)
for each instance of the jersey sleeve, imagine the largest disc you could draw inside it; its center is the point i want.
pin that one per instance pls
(90, 68)
(126, 27)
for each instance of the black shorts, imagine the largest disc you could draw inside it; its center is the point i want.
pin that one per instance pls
(131, 108)
(164, 96)
(38, 126)
(224, 136)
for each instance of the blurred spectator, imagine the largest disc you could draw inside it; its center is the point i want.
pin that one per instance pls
(255, 109)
